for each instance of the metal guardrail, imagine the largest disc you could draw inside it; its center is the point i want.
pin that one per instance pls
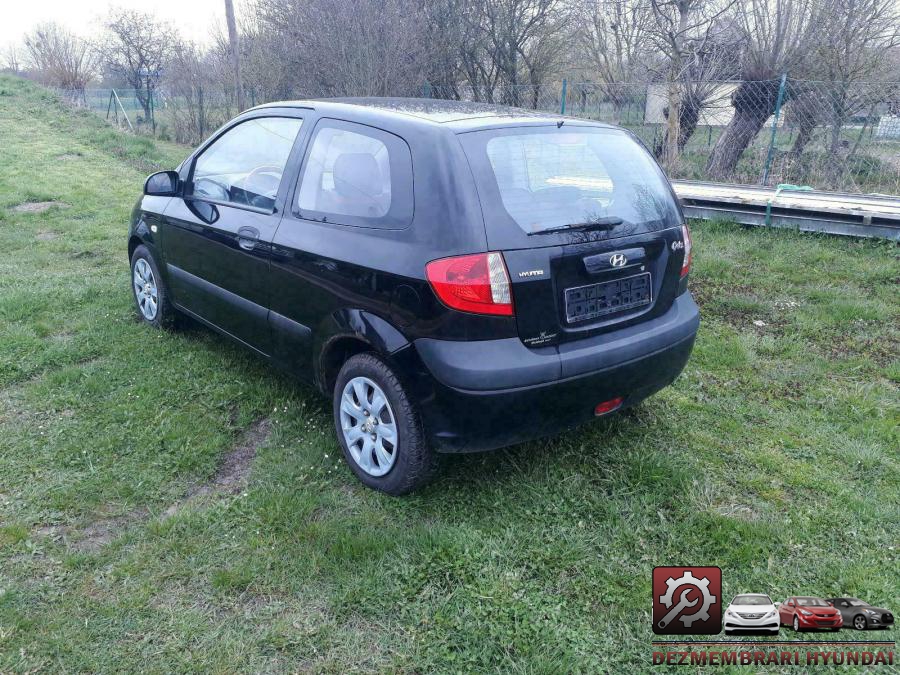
(876, 216)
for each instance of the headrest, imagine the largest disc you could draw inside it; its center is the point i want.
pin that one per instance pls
(356, 174)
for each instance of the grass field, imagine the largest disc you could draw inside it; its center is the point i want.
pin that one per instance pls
(169, 503)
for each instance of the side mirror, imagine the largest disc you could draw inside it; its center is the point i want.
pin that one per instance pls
(162, 184)
(778, 604)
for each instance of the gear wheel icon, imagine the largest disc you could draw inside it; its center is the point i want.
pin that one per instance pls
(684, 580)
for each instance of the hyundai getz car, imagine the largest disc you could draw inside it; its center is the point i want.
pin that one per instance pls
(456, 277)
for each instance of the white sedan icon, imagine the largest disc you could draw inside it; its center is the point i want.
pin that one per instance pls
(753, 612)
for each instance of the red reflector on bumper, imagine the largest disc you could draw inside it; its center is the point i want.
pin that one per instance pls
(608, 406)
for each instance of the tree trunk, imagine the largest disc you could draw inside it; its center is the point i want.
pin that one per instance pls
(671, 144)
(804, 135)
(687, 125)
(234, 54)
(754, 103)
(143, 98)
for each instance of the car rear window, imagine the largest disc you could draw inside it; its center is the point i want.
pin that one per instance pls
(553, 177)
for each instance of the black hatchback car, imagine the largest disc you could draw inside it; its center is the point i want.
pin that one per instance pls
(456, 277)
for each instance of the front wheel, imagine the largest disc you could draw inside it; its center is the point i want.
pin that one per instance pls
(859, 622)
(796, 625)
(149, 290)
(379, 429)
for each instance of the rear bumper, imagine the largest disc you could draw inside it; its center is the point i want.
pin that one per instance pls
(477, 396)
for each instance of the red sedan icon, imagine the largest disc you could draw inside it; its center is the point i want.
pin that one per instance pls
(807, 613)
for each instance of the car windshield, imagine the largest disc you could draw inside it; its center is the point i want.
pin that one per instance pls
(811, 602)
(857, 603)
(552, 178)
(752, 600)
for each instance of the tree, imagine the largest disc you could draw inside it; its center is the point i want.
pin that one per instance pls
(775, 36)
(60, 58)
(134, 47)
(857, 38)
(521, 39)
(688, 33)
(234, 53)
(615, 38)
(343, 47)
(10, 58)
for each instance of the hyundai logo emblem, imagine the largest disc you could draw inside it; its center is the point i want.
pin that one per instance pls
(617, 260)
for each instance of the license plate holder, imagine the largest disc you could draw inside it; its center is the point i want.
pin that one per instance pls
(608, 297)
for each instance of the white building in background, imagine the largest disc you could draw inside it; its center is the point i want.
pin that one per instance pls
(717, 112)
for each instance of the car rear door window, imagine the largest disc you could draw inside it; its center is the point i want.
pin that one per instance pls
(356, 175)
(551, 178)
(244, 165)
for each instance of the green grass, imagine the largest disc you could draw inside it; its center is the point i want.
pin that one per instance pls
(774, 456)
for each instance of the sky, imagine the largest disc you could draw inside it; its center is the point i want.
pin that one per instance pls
(197, 20)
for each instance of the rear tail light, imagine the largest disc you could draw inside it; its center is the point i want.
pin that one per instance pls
(686, 265)
(608, 406)
(475, 283)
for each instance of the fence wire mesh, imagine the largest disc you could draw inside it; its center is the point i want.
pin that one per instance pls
(842, 136)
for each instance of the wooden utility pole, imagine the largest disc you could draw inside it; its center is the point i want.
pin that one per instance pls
(235, 54)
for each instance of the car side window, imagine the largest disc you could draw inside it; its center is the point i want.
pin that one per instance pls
(245, 164)
(356, 175)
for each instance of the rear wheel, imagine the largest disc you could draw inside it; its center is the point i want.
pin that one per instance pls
(379, 429)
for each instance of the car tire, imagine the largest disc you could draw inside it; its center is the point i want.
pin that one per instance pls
(398, 460)
(859, 622)
(151, 296)
(796, 624)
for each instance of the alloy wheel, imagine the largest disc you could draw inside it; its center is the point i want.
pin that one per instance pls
(859, 623)
(369, 426)
(145, 290)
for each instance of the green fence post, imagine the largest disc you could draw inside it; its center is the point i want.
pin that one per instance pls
(426, 89)
(562, 99)
(778, 103)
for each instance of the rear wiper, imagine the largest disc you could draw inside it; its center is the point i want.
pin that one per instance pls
(597, 224)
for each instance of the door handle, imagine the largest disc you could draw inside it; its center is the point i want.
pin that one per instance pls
(248, 238)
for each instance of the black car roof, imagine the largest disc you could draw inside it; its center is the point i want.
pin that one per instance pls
(459, 115)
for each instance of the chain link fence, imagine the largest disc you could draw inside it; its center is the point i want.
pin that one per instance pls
(828, 135)
(188, 116)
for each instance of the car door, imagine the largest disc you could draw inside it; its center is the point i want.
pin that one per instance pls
(217, 235)
(337, 243)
